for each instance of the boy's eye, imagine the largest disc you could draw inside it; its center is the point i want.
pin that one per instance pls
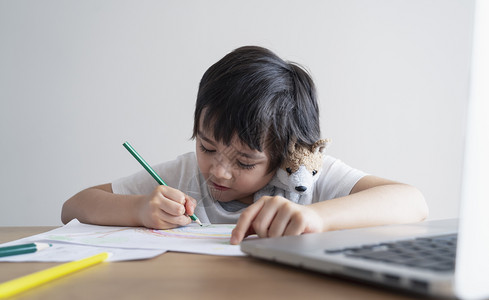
(205, 150)
(246, 166)
(314, 172)
(289, 170)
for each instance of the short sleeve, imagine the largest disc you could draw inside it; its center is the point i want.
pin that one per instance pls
(336, 180)
(141, 183)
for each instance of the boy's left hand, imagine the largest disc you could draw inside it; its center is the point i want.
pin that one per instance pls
(273, 216)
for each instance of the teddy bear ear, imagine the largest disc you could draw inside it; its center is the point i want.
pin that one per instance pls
(321, 145)
(292, 146)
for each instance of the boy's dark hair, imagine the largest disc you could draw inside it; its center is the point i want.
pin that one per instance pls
(264, 100)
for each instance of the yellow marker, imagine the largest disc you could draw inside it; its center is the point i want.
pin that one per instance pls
(21, 284)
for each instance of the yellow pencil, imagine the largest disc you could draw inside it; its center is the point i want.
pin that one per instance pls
(24, 283)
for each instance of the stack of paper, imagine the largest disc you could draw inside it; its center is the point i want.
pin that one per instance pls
(76, 240)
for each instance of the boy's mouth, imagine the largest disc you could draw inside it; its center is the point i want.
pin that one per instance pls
(219, 187)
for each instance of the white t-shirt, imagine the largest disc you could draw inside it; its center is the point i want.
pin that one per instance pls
(336, 180)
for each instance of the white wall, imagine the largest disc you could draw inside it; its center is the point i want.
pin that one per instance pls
(78, 78)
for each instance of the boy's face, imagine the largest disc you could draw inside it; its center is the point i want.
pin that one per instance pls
(233, 172)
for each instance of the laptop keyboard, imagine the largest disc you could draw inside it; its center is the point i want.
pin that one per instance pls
(432, 253)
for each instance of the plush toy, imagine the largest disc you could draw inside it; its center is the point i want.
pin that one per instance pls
(296, 176)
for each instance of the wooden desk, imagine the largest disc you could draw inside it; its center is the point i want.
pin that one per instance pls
(187, 276)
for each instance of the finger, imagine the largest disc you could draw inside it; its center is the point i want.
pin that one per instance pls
(170, 207)
(175, 221)
(190, 205)
(263, 220)
(280, 222)
(161, 220)
(248, 232)
(172, 194)
(244, 222)
(296, 225)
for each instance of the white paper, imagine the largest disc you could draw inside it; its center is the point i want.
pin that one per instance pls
(209, 239)
(63, 252)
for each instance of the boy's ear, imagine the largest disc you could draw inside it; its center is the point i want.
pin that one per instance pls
(320, 145)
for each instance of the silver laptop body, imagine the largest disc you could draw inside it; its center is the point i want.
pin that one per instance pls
(330, 252)
(318, 252)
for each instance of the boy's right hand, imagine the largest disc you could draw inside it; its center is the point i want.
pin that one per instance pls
(166, 208)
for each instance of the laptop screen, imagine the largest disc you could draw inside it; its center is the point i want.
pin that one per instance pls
(473, 244)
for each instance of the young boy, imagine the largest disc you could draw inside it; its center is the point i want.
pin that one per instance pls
(250, 105)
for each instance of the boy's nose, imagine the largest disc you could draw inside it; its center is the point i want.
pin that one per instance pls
(221, 169)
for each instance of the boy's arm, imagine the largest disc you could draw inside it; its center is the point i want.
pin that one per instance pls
(99, 205)
(164, 208)
(373, 201)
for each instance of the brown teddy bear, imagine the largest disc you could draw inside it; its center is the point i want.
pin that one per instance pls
(296, 176)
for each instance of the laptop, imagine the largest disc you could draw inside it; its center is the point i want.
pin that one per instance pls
(447, 258)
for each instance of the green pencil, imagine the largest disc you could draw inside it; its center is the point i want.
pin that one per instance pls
(152, 172)
(23, 249)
